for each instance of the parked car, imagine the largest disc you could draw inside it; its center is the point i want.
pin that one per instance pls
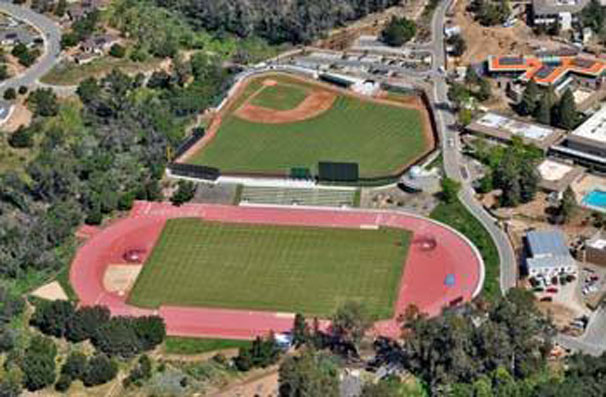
(546, 299)
(552, 290)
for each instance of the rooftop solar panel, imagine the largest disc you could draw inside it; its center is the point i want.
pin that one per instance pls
(584, 63)
(510, 61)
(544, 71)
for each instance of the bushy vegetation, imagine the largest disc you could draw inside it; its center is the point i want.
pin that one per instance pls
(398, 31)
(512, 169)
(491, 12)
(543, 105)
(115, 336)
(277, 22)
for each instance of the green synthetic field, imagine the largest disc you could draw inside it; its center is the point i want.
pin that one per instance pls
(382, 138)
(280, 97)
(276, 268)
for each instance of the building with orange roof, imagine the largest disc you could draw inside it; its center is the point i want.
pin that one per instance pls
(549, 70)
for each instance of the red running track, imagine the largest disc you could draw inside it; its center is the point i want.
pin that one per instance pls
(422, 284)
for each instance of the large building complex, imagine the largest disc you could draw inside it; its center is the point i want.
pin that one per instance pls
(547, 70)
(503, 128)
(563, 12)
(586, 145)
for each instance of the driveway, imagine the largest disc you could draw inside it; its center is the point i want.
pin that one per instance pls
(51, 33)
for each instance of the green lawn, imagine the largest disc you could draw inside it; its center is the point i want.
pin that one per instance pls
(458, 217)
(277, 268)
(178, 345)
(280, 97)
(381, 138)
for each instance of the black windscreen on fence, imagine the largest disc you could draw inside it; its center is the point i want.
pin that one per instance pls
(194, 171)
(338, 172)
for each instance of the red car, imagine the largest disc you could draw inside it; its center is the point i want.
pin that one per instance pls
(552, 290)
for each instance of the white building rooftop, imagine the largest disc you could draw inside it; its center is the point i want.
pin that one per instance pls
(515, 127)
(553, 170)
(593, 128)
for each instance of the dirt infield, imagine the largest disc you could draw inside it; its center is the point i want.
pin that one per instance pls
(424, 284)
(316, 103)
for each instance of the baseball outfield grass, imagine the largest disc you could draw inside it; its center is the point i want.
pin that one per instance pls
(275, 268)
(381, 138)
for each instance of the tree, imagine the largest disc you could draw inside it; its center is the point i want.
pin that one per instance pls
(471, 76)
(544, 110)
(61, 8)
(117, 337)
(88, 90)
(567, 112)
(117, 51)
(351, 321)
(309, 374)
(4, 74)
(398, 31)
(38, 363)
(52, 317)
(485, 91)
(44, 102)
(184, 193)
(300, 331)
(10, 94)
(69, 39)
(75, 365)
(465, 116)
(528, 104)
(142, 370)
(22, 138)
(459, 46)
(150, 331)
(450, 190)
(63, 383)
(22, 90)
(100, 369)
(262, 353)
(568, 205)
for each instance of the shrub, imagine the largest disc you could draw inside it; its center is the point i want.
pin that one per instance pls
(21, 138)
(100, 369)
(10, 94)
(117, 51)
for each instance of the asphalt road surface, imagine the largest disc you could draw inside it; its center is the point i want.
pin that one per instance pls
(51, 34)
(446, 121)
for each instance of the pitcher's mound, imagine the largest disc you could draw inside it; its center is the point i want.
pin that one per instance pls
(120, 278)
(269, 82)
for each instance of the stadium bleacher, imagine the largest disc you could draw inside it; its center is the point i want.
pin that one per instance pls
(298, 196)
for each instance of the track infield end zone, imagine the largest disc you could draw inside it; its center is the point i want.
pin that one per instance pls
(442, 267)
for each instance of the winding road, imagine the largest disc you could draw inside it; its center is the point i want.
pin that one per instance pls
(446, 121)
(51, 33)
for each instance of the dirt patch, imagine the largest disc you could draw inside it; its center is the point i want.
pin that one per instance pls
(51, 291)
(483, 41)
(316, 103)
(269, 82)
(21, 116)
(120, 278)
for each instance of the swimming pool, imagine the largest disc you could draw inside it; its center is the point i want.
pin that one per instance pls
(595, 198)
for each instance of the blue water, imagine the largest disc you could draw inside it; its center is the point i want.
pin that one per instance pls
(595, 198)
